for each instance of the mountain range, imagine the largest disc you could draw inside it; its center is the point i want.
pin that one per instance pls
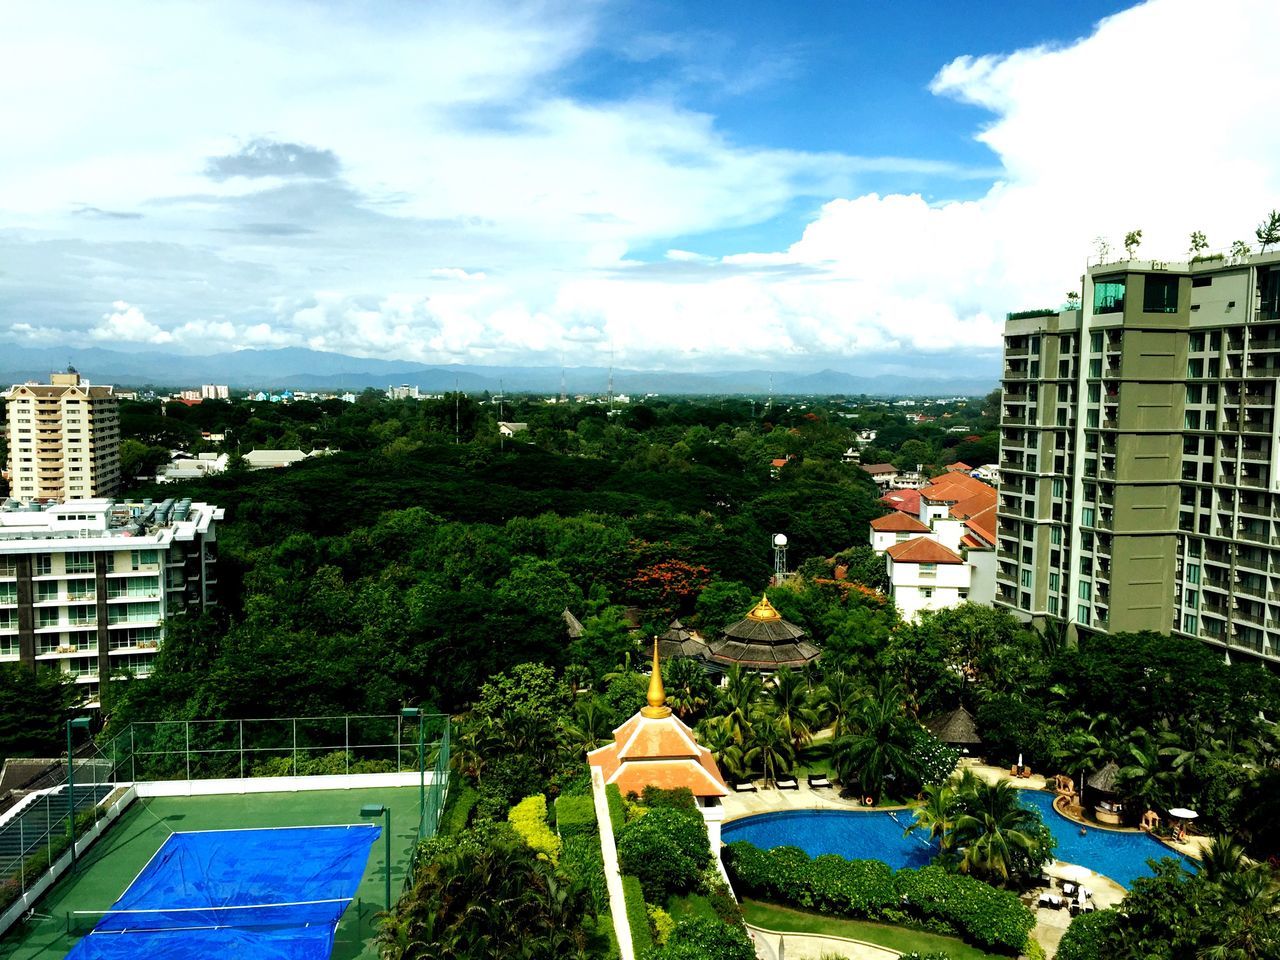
(298, 368)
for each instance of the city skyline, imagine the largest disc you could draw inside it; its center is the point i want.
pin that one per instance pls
(680, 188)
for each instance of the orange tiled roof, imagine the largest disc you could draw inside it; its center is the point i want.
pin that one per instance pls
(959, 465)
(898, 523)
(907, 501)
(970, 499)
(658, 751)
(922, 550)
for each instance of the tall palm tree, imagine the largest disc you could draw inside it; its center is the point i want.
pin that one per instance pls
(935, 813)
(878, 748)
(714, 734)
(1080, 754)
(837, 699)
(1250, 917)
(688, 689)
(991, 827)
(1145, 777)
(791, 700)
(770, 750)
(590, 728)
(738, 700)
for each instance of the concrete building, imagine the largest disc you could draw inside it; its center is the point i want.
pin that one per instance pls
(884, 474)
(193, 468)
(1140, 461)
(86, 586)
(215, 391)
(403, 392)
(509, 429)
(64, 439)
(925, 575)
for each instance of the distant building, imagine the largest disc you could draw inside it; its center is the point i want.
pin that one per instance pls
(86, 586)
(403, 392)
(274, 459)
(852, 456)
(884, 474)
(508, 429)
(776, 465)
(215, 391)
(348, 397)
(64, 439)
(191, 395)
(989, 472)
(193, 468)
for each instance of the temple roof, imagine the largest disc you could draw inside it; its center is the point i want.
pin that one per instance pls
(764, 640)
(958, 726)
(655, 748)
(680, 642)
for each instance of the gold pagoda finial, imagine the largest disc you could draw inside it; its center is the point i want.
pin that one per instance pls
(764, 610)
(657, 697)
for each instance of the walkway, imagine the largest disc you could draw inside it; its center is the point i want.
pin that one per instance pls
(612, 875)
(803, 946)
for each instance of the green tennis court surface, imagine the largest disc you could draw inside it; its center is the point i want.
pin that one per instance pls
(121, 853)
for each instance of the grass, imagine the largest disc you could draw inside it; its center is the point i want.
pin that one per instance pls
(691, 906)
(119, 855)
(902, 939)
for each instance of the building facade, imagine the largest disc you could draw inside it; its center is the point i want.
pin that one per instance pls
(64, 439)
(86, 586)
(1140, 461)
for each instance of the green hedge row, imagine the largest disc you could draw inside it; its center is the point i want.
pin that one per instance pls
(617, 812)
(868, 889)
(637, 915)
(457, 811)
(576, 817)
(581, 859)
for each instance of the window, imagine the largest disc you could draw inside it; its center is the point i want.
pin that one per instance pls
(142, 558)
(1195, 368)
(8, 593)
(47, 617)
(1095, 342)
(1195, 343)
(1191, 420)
(1086, 590)
(1193, 599)
(79, 562)
(1095, 367)
(44, 564)
(8, 567)
(1193, 393)
(928, 569)
(1095, 393)
(926, 592)
(1201, 281)
(1053, 606)
(1160, 294)
(1082, 613)
(1108, 296)
(1188, 623)
(1057, 486)
(1053, 582)
(46, 590)
(1055, 535)
(1087, 516)
(1026, 578)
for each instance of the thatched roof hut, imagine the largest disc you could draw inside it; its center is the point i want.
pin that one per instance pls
(957, 728)
(763, 641)
(679, 641)
(1105, 780)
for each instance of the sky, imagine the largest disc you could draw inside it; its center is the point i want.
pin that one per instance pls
(838, 184)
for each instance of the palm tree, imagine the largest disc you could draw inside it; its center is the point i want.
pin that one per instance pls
(1144, 777)
(992, 827)
(791, 699)
(714, 734)
(878, 748)
(1250, 929)
(1080, 754)
(738, 699)
(688, 689)
(591, 727)
(935, 813)
(1221, 858)
(770, 750)
(838, 698)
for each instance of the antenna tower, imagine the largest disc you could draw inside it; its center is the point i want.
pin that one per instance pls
(779, 557)
(457, 407)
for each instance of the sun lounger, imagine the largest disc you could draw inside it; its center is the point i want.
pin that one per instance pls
(1069, 888)
(1050, 900)
(817, 780)
(787, 783)
(744, 786)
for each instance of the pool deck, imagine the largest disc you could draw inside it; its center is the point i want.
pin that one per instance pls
(111, 864)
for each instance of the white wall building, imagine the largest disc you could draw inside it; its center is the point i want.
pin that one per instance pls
(86, 586)
(215, 391)
(193, 468)
(925, 575)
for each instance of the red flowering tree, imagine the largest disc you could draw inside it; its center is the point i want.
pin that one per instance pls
(668, 587)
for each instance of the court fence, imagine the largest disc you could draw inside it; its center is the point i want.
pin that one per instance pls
(37, 831)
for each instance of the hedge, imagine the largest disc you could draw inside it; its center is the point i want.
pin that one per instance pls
(617, 811)
(576, 817)
(580, 858)
(637, 915)
(529, 817)
(667, 849)
(457, 811)
(868, 889)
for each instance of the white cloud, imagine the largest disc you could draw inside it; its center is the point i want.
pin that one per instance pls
(128, 324)
(452, 143)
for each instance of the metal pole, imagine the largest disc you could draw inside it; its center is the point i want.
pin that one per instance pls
(295, 746)
(187, 726)
(71, 798)
(388, 848)
(241, 723)
(133, 757)
(22, 854)
(346, 740)
(422, 775)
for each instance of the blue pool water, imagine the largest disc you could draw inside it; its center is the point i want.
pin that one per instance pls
(878, 836)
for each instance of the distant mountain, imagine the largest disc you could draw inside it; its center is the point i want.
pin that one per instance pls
(298, 368)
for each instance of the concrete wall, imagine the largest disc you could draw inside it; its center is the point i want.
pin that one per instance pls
(204, 788)
(906, 584)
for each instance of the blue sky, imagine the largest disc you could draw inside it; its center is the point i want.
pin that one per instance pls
(865, 186)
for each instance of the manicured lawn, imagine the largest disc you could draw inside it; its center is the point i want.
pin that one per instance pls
(902, 939)
(690, 907)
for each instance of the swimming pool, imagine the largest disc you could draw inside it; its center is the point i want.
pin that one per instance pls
(878, 836)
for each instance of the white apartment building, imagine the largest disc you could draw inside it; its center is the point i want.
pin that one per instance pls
(86, 586)
(215, 391)
(64, 439)
(925, 575)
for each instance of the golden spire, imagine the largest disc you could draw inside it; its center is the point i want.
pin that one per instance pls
(657, 708)
(764, 610)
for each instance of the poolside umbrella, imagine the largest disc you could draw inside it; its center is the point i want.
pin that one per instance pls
(1076, 873)
(1182, 813)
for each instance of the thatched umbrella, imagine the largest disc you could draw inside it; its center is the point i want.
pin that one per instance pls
(956, 728)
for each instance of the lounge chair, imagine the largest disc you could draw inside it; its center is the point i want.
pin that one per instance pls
(1068, 888)
(744, 786)
(817, 780)
(787, 783)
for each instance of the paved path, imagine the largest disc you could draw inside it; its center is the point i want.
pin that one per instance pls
(612, 875)
(804, 946)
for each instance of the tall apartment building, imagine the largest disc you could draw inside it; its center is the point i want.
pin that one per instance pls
(1140, 459)
(86, 586)
(64, 439)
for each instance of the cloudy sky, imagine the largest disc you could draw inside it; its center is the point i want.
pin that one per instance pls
(841, 183)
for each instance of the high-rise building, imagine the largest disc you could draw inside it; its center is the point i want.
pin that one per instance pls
(214, 391)
(64, 439)
(86, 586)
(1140, 460)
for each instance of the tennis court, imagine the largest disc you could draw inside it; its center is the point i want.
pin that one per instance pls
(163, 852)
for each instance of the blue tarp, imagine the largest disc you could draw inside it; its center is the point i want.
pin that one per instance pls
(291, 885)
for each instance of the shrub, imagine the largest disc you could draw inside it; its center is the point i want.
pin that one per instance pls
(704, 939)
(580, 859)
(667, 849)
(862, 888)
(680, 797)
(637, 915)
(575, 816)
(1089, 936)
(661, 923)
(457, 811)
(987, 917)
(529, 817)
(934, 759)
(617, 812)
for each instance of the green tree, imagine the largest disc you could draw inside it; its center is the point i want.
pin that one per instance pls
(666, 850)
(33, 709)
(689, 690)
(605, 641)
(1268, 232)
(995, 831)
(769, 747)
(878, 749)
(1132, 240)
(721, 603)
